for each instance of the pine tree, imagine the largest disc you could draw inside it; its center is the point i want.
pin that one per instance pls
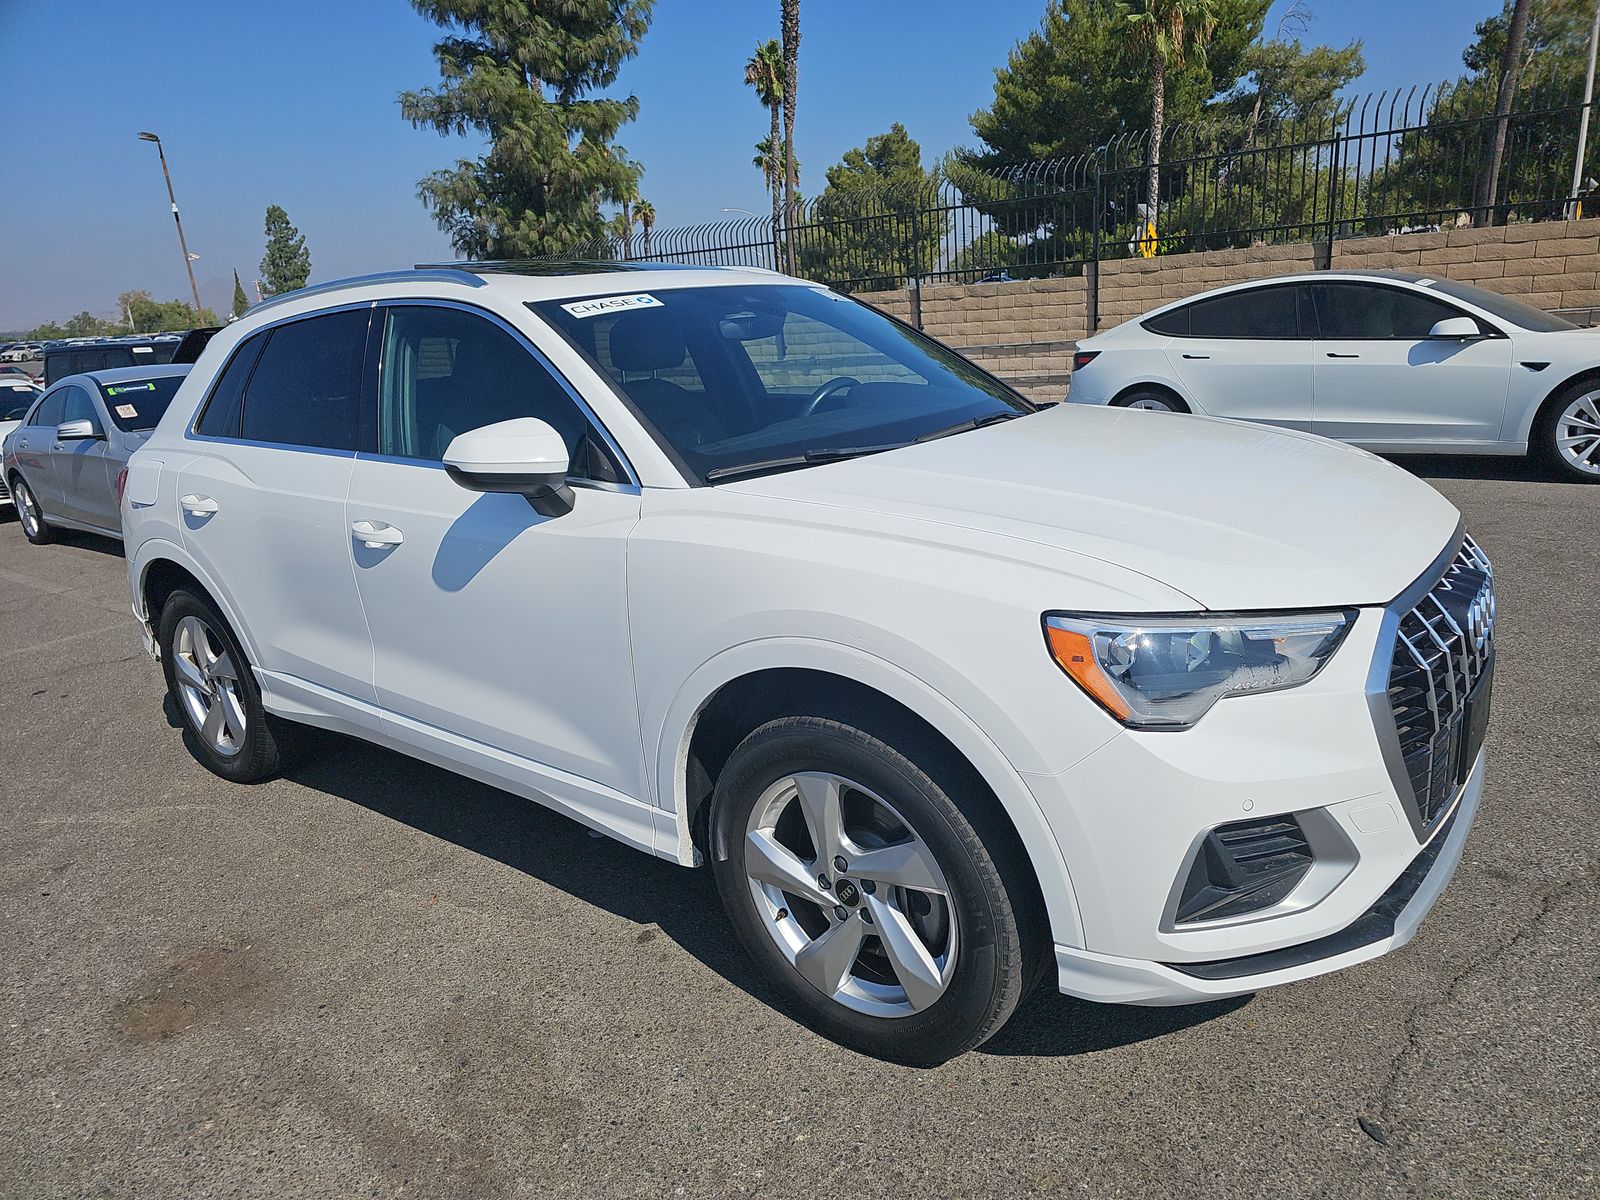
(520, 72)
(287, 263)
(240, 300)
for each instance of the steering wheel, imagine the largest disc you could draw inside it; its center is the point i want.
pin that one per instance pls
(827, 390)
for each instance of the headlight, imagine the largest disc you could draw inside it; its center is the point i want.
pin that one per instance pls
(1167, 672)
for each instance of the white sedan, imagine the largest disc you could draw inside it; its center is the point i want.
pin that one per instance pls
(1391, 361)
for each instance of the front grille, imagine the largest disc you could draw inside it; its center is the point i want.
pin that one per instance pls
(5, 492)
(1443, 651)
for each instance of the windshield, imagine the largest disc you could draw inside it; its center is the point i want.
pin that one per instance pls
(139, 403)
(1525, 316)
(739, 379)
(14, 402)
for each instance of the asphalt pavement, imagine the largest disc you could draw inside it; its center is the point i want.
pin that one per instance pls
(375, 978)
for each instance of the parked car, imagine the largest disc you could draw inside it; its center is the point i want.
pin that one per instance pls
(21, 352)
(64, 463)
(16, 397)
(949, 692)
(1392, 361)
(104, 355)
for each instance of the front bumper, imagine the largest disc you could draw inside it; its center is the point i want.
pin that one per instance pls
(1386, 925)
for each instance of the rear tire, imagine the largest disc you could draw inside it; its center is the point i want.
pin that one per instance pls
(214, 689)
(34, 527)
(924, 940)
(1150, 398)
(1566, 435)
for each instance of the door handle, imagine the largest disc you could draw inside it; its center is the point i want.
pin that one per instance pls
(375, 535)
(198, 506)
(1197, 356)
(1335, 354)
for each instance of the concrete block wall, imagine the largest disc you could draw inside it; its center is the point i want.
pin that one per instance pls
(1550, 264)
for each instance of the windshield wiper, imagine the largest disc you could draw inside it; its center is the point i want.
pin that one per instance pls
(807, 459)
(974, 423)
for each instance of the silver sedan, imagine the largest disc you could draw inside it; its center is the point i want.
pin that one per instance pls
(62, 462)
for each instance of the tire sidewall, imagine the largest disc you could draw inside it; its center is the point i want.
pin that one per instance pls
(42, 537)
(982, 992)
(1133, 397)
(258, 757)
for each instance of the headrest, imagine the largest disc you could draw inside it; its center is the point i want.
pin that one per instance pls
(647, 341)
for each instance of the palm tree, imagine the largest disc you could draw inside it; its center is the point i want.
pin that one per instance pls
(771, 164)
(764, 72)
(1487, 191)
(791, 86)
(1172, 32)
(646, 213)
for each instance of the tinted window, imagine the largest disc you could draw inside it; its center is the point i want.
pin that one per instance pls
(1173, 324)
(1256, 313)
(716, 374)
(49, 412)
(1366, 310)
(1507, 308)
(445, 371)
(306, 390)
(139, 404)
(78, 406)
(221, 415)
(14, 402)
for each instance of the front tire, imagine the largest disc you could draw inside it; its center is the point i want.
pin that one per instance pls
(34, 527)
(865, 894)
(215, 691)
(1567, 434)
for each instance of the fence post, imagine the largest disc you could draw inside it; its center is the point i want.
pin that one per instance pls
(1092, 272)
(916, 261)
(1335, 178)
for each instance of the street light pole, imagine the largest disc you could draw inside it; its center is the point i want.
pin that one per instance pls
(188, 260)
(1574, 206)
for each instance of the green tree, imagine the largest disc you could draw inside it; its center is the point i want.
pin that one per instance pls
(790, 13)
(521, 73)
(86, 324)
(870, 229)
(287, 263)
(166, 316)
(1510, 76)
(1288, 83)
(764, 72)
(646, 212)
(240, 301)
(1167, 33)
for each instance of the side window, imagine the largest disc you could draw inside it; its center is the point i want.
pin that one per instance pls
(1173, 324)
(48, 413)
(446, 371)
(306, 390)
(1367, 310)
(78, 406)
(804, 354)
(1267, 312)
(220, 417)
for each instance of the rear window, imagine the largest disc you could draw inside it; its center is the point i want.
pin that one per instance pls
(140, 403)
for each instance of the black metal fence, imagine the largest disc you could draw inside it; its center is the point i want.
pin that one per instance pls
(1391, 162)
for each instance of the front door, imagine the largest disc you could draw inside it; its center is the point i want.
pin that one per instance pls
(1381, 382)
(1247, 356)
(80, 466)
(489, 622)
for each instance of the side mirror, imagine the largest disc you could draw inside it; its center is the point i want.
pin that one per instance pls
(1455, 329)
(77, 431)
(524, 456)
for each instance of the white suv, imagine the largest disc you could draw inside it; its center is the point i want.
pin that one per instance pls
(948, 691)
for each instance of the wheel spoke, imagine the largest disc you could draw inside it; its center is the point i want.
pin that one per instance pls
(222, 668)
(771, 863)
(232, 714)
(189, 674)
(826, 962)
(819, 801)
(913, 965)
(905, 864)
(216, 721)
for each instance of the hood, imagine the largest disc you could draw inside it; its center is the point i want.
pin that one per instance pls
(1236, 516)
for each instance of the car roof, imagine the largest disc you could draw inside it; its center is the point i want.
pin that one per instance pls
(130, 374)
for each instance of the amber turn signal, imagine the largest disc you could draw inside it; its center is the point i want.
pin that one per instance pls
(1075, 655)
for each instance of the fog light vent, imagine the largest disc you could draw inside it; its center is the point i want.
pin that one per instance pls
(1244, 867)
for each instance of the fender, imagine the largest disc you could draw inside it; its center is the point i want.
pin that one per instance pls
(1523, 433)
(154, 549)
(671, 753)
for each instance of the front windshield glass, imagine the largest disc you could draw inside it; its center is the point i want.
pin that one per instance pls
(1506, 308)
(740, 379)
(14, 402)
(139, 403)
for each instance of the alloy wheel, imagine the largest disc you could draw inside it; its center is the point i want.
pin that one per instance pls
(851, 896)
(1578, 433)
(208, 685)
(1150, 404)
(27, 509)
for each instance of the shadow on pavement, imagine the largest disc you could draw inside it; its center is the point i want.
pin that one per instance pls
(682, 903)
(1476, 466)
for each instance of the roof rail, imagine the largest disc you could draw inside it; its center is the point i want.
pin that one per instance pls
(418, 275)
(560, 266)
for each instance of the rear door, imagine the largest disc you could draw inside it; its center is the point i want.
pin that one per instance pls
(262, 506)
(79, 466)
(1245, 354)
(32, 446)
(1381, 382)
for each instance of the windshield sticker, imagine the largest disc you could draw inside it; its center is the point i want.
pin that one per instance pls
(120, 388)
(605, 304)
(127, 410)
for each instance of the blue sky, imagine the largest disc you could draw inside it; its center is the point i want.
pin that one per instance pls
(293, 102)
